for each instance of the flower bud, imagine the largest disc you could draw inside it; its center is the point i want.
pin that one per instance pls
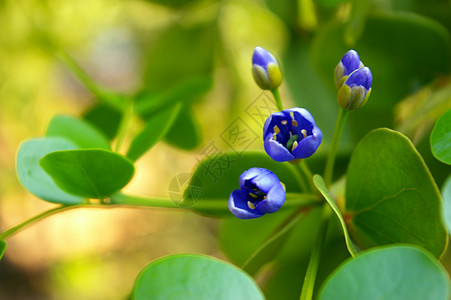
(265, 69)
(354, 92)
(260, 192)
(348, 64)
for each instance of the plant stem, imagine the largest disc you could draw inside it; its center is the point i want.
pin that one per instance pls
(100, 93)
(312, 269)
(305, 176)
(276, 95)
(35, 219)
(292, 200)
(341, 119)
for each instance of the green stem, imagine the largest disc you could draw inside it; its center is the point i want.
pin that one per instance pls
(341, 120)
(276, 95)
(99, 92)
(34, 219)
(312, 269)
(124, 126)
(305, 175)
(292, 200)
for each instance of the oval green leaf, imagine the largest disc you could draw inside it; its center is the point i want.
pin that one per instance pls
(154, 130)
(441, 138)
(185, 133)
(105, 118)
(194, 277)
(90, 173)
(391, 196)
(446, 196)
(81, 133)
(34, 178)
(395, 272)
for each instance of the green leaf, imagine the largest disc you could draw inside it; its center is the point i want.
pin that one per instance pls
(185, 132)
(446, 196)
(395, 272)
(2, 248)
(34, 178)
(218, 176)
(90, 173)
(194, 277)
(441, 138)
(81, 133)
(105, 118)
(154, 130)
(390, 195)
(321, 186)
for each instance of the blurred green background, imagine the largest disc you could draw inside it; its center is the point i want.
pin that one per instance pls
(145, 48)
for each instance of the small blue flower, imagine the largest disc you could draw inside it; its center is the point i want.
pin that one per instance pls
(355, 91)
(291, 134)
(261, 193)
(348, 64)
(265, 69)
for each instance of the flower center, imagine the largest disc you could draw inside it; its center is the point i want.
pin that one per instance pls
(256, 196)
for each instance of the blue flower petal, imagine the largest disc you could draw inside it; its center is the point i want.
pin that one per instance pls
(250, 174)
(238, 205)
(263, 57)
(276, 150)
(361, 77)
(274, 199)
(351, 62)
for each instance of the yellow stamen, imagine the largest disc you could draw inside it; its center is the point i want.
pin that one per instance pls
(304, 132)
(293, 122)
(284, 122)
(295, 144)
(276, 129)
(253, 195)
(250, 205)
(274, 136)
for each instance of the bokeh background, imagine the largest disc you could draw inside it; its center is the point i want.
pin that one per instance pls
(134, 47)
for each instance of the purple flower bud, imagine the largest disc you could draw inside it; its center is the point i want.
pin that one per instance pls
(348, 64)
(265, 69)
(260, 193)
(355, 91)
(291, 134)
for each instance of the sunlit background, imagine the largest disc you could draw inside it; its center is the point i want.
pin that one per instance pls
(94, 253)
(97, 253)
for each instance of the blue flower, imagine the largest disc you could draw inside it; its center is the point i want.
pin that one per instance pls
(261, 193)
(291, 134)
(265, 69)
(355, 91)
(348, 64)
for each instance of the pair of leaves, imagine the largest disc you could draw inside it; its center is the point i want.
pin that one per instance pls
(194, 277)
(55, 169)
(391, 196)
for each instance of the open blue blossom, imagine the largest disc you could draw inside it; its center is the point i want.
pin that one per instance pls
(355, 91)
(260, 193)
(348, 64)
(265, 69)
(291, 134)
